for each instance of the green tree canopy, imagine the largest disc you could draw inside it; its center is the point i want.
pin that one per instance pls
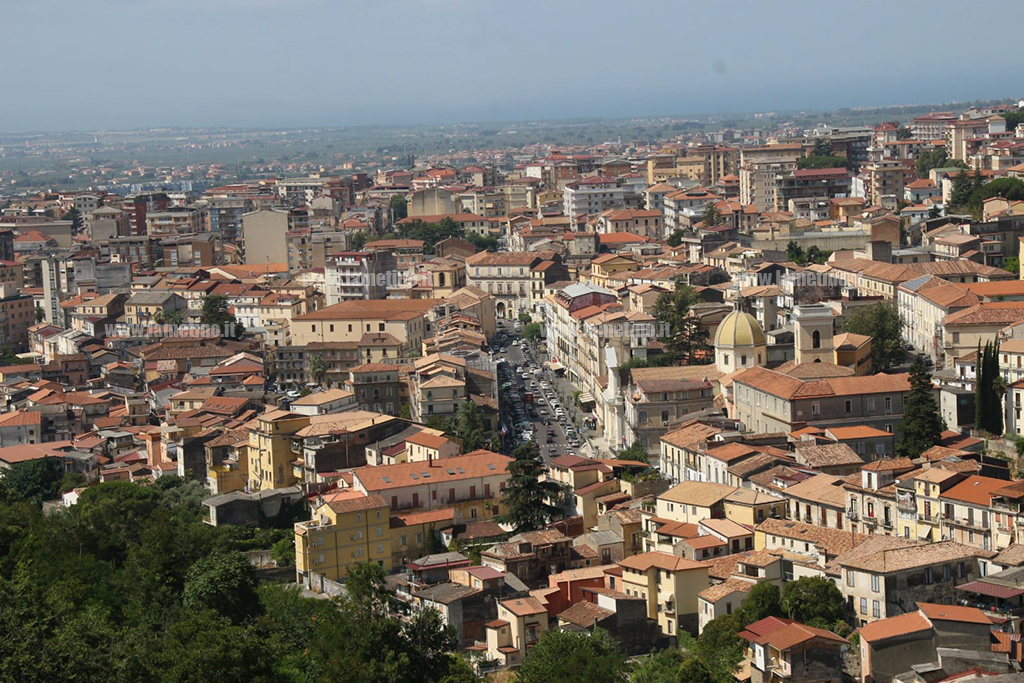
(526, 499)
(636, 451)
(574, 657)
(922, 423)
(814, 601)
(881, 322)
(398, 207)
(216, 311)
(225, 583)
(763, 600)
(31, 480)
(685, 338)
(676, 238)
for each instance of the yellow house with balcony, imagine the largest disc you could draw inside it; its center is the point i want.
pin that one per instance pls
(928, 486)
(670, 585)
(270, 449)
(347, 527)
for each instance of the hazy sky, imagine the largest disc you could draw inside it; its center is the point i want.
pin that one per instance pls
(94, 64)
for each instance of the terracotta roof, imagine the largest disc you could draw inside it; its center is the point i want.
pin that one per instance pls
(699, 493)
(722, 590)
(660, 560)
(887, 554)
(585, 614)
(346, 500)
(522, 607)
(373, 309)
(784, 386)
(792, 635)
(976, 490)
(828, 455)
(895, 627)
(473, 465)
(966, 615)
(831, 541)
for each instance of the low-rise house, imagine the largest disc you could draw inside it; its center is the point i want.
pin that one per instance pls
(786, 650)
(520, 624)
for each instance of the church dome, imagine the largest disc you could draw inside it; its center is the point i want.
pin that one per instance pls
(739, 329)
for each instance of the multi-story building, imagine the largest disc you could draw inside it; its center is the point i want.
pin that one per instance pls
(770, 401)
(885, 576)
(270, 449)
(175, 220)
(759, 169)
(404, 319)
(509, 277)
(592, 195)
(658, 398)
(224, 217)
(931, 126)
(470, 484)
(347, 527)
(669, 585)
(360, 275)
(813, 183)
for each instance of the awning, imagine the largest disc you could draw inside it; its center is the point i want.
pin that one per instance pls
(993, 590)
(555, 366)
(586, 397)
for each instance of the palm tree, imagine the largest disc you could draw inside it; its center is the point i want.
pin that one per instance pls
(318, 368)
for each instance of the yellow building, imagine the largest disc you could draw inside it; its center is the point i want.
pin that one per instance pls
(520, 624)
(606, 265)
(270, 449)
(928, 486)
(749, 507)
(670, 586)
(853, 351)
(347, 527)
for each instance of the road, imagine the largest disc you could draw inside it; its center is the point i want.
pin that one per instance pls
(514, 356)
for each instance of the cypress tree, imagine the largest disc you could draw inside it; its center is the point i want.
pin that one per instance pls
(922, 424)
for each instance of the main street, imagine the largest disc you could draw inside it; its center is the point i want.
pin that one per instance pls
(515, 358)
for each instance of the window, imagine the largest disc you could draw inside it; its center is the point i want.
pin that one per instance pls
(380, 531)
(875, 609)
(871, 404)
(849, 409)
(816, 339)
(850, 580)
(929, 575)
(864, 606)
(874, 583)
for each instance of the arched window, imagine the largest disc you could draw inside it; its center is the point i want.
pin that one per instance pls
(816, 339)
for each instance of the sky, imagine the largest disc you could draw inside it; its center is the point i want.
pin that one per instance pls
(108, 64)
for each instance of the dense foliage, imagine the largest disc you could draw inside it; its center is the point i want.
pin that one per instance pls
(130, 585)
(526, 500)
(922, 423)
(881, 322)
(989, 388)
(574, 657)
(685, 337)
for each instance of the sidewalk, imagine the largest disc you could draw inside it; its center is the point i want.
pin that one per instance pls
(593, 443)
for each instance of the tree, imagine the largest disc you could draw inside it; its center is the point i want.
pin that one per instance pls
(216, 312)
(40, 314)
(75, 216)
(922, 423)
(469, 426)
(483, 242)
(661, 666)
(526, 498)
(936, 158)
(532, 331)
(676, 238)
(712, 216)
(32, 480)
(695, 670)
(719, 646)
(934, 212)
(398, 207)
(224, 582)
(317, 368)
(904, 133)
(763, 600)
(574, 657)
(965, 185)
(635, 452)
(795, 253)
(358, 241)
(1012, 264)
(881, 322)
(366, 589)
(813, 600)
(9, 357)
(822, 147)
(685, 338)
(989, 387)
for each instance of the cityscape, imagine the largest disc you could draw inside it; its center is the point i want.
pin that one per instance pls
(400, 381)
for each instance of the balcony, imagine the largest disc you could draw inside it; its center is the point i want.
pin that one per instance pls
(870, 520)
(852, 514)
(965, 523)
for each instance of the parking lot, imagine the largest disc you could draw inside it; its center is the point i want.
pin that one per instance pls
(530, 408)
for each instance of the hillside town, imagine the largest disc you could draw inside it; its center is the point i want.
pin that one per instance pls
(735, 405)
